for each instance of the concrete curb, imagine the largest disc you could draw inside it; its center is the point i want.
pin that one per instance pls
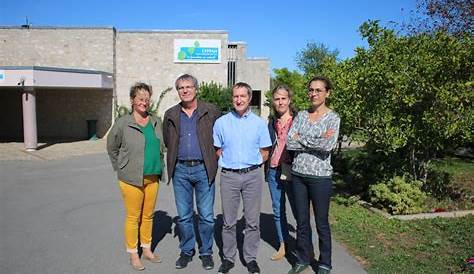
(452, 214)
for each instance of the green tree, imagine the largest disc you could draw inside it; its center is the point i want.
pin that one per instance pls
(412, 95)
(216, 94)
(310, 59)
(344, 100)
(341, 100)
(295, 81)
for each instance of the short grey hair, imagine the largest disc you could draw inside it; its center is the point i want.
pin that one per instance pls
(186, 77)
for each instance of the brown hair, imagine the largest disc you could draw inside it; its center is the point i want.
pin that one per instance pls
(140, 86)
(325, 80)
(243, 85)
(290, 96)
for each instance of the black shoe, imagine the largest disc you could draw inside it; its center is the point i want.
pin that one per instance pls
(225, 267)
(183, 260)
(207, 262)
(253, 268)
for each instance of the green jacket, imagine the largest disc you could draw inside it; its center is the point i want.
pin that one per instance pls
(126, 148)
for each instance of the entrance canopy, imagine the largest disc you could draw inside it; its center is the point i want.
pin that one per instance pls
(31, 79)
(50, 77)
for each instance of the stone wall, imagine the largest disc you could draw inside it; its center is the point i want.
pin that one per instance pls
(148, 57)
(133, 56)
(64, 113)
(255, 72)
(75, 48)
(59, 113)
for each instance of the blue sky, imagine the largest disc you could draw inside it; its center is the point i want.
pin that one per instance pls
(273, 29)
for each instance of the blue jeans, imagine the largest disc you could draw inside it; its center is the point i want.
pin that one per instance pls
(317, 191)
(185, 180)
(278, 189)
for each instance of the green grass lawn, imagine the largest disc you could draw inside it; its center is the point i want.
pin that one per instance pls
(393, 246)
(407, 247)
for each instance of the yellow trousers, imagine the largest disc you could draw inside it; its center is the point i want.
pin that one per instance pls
(139, 208)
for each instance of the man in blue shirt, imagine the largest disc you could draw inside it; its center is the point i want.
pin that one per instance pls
(243, 142)
(192, 163)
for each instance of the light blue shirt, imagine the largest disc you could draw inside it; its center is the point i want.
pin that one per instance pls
(240, 139)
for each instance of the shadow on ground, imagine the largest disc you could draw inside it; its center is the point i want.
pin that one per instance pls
(162, 223)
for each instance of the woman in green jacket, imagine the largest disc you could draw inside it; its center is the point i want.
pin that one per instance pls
(133, 145)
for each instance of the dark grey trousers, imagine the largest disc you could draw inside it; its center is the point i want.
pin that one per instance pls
(249, 187)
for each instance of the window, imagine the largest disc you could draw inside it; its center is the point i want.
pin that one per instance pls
(256, 101)
(231, 60)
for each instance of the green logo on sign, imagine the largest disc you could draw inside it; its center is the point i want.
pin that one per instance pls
(197, 53)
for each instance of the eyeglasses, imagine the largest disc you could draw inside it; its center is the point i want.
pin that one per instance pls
(142, 100)
(185, 87)
(316, 91)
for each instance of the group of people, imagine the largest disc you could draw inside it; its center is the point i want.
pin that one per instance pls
(198, 139)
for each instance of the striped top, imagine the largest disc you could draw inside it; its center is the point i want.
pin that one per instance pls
(312, 150)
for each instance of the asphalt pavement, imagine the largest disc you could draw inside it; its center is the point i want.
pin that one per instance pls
(64, 214)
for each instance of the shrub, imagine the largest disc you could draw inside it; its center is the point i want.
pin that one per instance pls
(121, 111)
(216, 94)
(399, 195)
(438, 184)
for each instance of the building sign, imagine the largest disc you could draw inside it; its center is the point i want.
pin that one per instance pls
(197, 51)
(2, 75)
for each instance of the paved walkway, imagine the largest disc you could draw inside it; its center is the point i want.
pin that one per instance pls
(51, 151)
(64, 214)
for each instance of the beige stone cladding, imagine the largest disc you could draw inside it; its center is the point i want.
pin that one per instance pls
(75, 48)
(130, 56)
(254, 71)
(148, 56)
(64, 113)
(61, 113)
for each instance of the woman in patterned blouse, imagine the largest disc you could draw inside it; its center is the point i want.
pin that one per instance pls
(312, 136)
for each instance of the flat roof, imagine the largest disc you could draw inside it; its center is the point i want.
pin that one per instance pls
(257, 59)
(173, 31)
(55, 27)
(54, 69)
(53, 77)
(237, 43)
(118, 30)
